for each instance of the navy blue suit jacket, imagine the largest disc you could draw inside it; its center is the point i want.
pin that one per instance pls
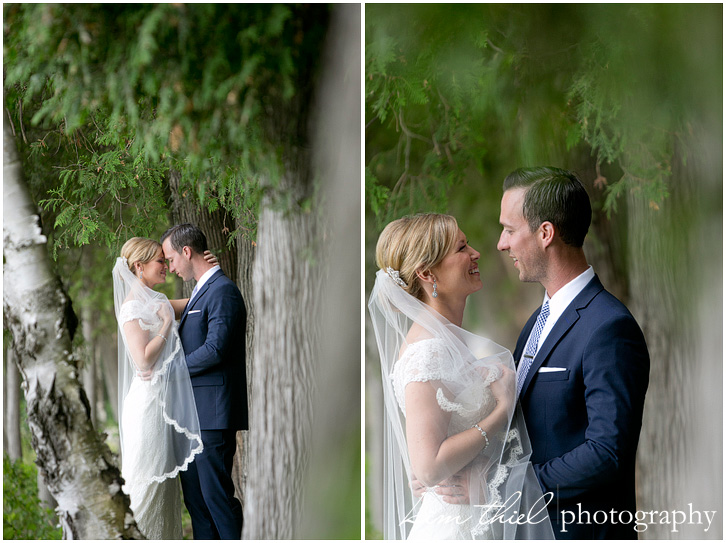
(212, 331)
(584, 422)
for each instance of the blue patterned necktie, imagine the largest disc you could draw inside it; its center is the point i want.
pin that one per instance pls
(194, 292)
(531, 349)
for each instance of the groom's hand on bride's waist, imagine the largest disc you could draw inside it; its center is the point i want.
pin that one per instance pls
(455, 489)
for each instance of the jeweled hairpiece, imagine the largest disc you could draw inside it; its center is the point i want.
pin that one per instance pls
(396, 276)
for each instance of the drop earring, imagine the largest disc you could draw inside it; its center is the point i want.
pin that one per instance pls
(436, 294)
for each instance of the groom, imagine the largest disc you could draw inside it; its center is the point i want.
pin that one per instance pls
(582, 361)
(212, 332)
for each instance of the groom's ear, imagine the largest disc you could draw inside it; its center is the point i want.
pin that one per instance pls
(546, 233)
(187, 252)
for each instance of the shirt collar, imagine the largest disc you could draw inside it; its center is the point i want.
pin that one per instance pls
(564, 296)
(205, 277)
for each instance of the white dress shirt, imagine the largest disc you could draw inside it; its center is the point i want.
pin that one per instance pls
(203, 279)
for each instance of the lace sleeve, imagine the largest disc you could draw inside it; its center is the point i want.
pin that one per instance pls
(427, 360)
(135, 310)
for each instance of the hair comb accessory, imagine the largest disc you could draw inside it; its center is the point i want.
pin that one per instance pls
(396, 276)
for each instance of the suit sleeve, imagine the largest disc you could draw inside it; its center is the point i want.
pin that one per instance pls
(615, 369)
(223, 315)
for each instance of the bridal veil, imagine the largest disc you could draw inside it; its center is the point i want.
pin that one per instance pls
(504, 496)
(167, 429)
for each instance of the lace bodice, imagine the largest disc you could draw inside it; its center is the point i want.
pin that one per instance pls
(147, 315)
(431, 360)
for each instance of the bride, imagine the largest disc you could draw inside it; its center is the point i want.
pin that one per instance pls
(159, 428)
(449, 396)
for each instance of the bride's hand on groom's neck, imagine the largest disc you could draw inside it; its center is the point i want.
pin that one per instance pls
(210, 258)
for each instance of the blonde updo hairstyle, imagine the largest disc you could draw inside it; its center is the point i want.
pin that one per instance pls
(142, 250)
(416, 242)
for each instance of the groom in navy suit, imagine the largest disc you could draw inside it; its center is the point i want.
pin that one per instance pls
(582, 361)
(212, 331)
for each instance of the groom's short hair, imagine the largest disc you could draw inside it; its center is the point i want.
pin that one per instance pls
(554, 195)
(186, 235)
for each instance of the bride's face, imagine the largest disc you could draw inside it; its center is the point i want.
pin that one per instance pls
(154, 270)
(457, 275)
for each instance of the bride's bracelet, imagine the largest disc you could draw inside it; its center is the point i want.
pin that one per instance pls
(162, 337)
(484, 434)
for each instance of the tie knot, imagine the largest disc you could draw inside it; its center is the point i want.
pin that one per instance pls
(544, 313)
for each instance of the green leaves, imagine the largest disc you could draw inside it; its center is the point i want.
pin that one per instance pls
(23, 515)
(463, 95)
(199, 85)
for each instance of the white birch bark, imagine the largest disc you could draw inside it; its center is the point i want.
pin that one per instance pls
(77, 466)
(11, 427)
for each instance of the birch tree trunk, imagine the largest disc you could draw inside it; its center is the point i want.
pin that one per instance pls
(76, 464)
(11, 427)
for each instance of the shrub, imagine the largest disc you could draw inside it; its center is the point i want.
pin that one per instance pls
(24, 517)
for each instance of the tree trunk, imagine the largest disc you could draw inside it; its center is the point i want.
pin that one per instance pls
(332, 488)
(77, 466)
(245, 260)
(44, 495)
(285, 296)
(11, 428)
(675, 272)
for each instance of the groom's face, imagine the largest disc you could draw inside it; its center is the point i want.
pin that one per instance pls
(518, 240)
(179, 263)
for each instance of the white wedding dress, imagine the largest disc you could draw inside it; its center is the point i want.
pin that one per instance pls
(429, 360)
(417, 344)
(156, 505)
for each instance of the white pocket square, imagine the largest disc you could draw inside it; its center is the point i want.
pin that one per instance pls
(547, 369)
(194, 311)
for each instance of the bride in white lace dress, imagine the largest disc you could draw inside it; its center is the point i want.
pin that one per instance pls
(449, 396)
(159, 427)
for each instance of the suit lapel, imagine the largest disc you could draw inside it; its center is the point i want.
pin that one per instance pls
(199, 295)
(566, 321)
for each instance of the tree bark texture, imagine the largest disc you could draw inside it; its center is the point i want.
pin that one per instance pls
(11, 427)
(246, 251)
(285, 298)
(77, 465)
(675, 272)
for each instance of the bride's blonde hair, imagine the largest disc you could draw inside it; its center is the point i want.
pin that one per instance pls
(416, 242)
(141, 250)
